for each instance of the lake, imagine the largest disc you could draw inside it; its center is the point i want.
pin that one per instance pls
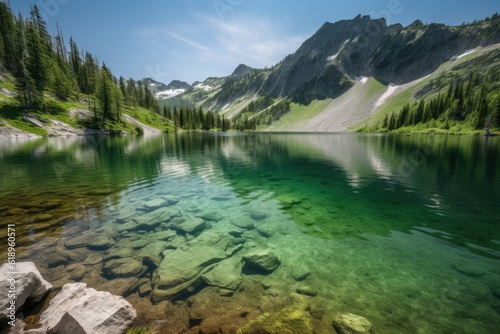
(402, 230)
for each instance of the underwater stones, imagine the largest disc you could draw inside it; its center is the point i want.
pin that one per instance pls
(270, 303)
(139, 243)
(153, 219)
(287, 201)
(145, 287)
(286, 321)
(116, 253)
(123, 267)
(171, 200)
(352, 324)
(226, 292)
(79, 310)
(226, 274)
(76, 271)
(126, 227)
(165, 235)
(300, 273)
(30, 285)
(155, 204)
(307, 291)
(56, 259)
(221, 198)
(151, 254)
(258, 215)
(181, 270)
(92, 259)
(468, 269)
(80, 241)
(212, 216)
(262, 259)
(243, 222)
(121, 286)
(191, 225)
(101, 243)
(264, 231)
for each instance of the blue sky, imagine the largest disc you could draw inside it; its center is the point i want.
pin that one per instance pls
(193, 39)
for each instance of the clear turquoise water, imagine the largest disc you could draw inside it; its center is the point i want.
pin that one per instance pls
(401, 230)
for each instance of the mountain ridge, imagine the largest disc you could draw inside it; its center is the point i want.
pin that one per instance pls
(327, 64)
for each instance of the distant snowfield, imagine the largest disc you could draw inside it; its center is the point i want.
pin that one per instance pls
(466, 53)
(166, 94)
(204, 87)
(390, 90)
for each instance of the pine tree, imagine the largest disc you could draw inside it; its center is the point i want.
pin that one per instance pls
(8, 33)
(106, 96)
(28, 96)
(37, 57)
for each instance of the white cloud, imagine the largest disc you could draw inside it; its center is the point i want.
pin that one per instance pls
(257, 40)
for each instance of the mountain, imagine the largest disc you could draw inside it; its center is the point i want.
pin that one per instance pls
(337, 59)
(163, 91)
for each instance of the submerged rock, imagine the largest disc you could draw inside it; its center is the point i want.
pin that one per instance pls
(191, 225)
(307, 291)
(155, 204)
(286, 321)
(352, 324)
(243, 222)
(123, 267)
(182, 269)
(263, 260)
(121, 286)
(29, 286)
(301, 273)
(468, 269)
(226, 274)
(79, 310)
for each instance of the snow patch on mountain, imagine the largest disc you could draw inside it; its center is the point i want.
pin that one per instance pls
(206, 88)
(466, 53)
(390, 90)
(166, 94)
(340, 50)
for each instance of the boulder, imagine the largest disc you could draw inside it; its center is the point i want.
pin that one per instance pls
(300, 273)
(29, 285)
(155, 204)
(352, 324)
(121, 286)
(123, 267)
(79, 310)
(191, 225)
(182, 269)
(262, 260)
(101, 243)
(243, 222)
(226, 274)
(286, 321)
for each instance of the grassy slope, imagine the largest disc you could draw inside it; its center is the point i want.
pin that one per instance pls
(298, 113)
(11, 113)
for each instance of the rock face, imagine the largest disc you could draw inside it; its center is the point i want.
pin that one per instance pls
(263, 260)
(286, 321)
(79, 310)
(352, 324)
(29, 285)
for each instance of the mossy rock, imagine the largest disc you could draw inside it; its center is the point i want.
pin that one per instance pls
(286, 321)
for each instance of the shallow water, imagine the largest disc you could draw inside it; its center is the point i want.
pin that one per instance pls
(401, 230)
